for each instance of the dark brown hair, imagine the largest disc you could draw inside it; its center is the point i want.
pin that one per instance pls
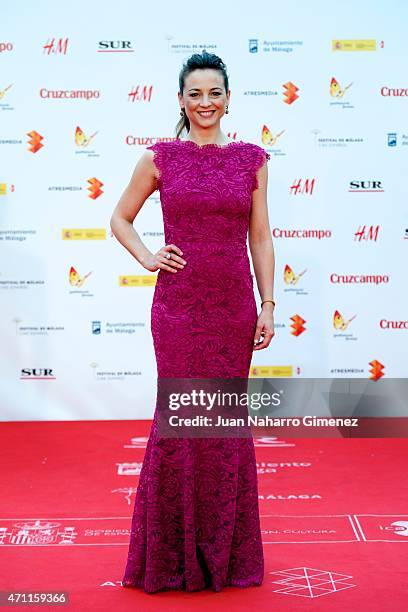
(198, 61)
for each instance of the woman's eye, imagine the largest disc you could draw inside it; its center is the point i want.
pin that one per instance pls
(215, 93)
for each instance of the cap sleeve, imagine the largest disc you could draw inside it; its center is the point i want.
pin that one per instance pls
(260, 156)
(158, 161)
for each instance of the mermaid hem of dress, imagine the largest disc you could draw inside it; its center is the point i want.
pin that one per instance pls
(181, 586)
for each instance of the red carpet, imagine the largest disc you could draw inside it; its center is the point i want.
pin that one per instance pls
(334, 515)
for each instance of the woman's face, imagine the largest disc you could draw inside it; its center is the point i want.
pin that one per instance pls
(204, 91)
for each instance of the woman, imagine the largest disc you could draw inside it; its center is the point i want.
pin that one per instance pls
(196, 518)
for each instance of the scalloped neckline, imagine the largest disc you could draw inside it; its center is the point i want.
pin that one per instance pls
(212, 144)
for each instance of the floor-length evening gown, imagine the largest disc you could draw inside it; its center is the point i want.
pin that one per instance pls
(196, 520)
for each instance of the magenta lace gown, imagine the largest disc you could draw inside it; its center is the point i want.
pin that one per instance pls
(196, 518)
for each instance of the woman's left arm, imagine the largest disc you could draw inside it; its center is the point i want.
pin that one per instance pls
(263, 258)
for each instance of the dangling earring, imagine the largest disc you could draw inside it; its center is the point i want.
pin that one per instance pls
(226, 109)
(182, 112)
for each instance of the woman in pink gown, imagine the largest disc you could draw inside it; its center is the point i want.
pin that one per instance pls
(196, 519)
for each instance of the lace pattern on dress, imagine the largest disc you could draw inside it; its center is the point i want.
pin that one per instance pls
(169, 154)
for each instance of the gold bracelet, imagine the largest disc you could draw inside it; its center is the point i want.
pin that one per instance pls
(273, 302)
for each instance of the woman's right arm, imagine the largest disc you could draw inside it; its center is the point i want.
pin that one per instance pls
(141, 185)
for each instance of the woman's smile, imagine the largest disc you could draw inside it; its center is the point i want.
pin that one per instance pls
(206, 113)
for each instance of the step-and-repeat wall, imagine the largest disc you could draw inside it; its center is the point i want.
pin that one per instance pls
(323, 88)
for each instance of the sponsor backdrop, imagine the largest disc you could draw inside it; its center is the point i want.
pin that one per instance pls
(84, 91)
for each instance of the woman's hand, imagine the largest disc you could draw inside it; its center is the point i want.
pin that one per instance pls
(264, 327)
(162, 260)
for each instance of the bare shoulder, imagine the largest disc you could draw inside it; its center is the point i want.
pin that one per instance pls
(146, 162)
